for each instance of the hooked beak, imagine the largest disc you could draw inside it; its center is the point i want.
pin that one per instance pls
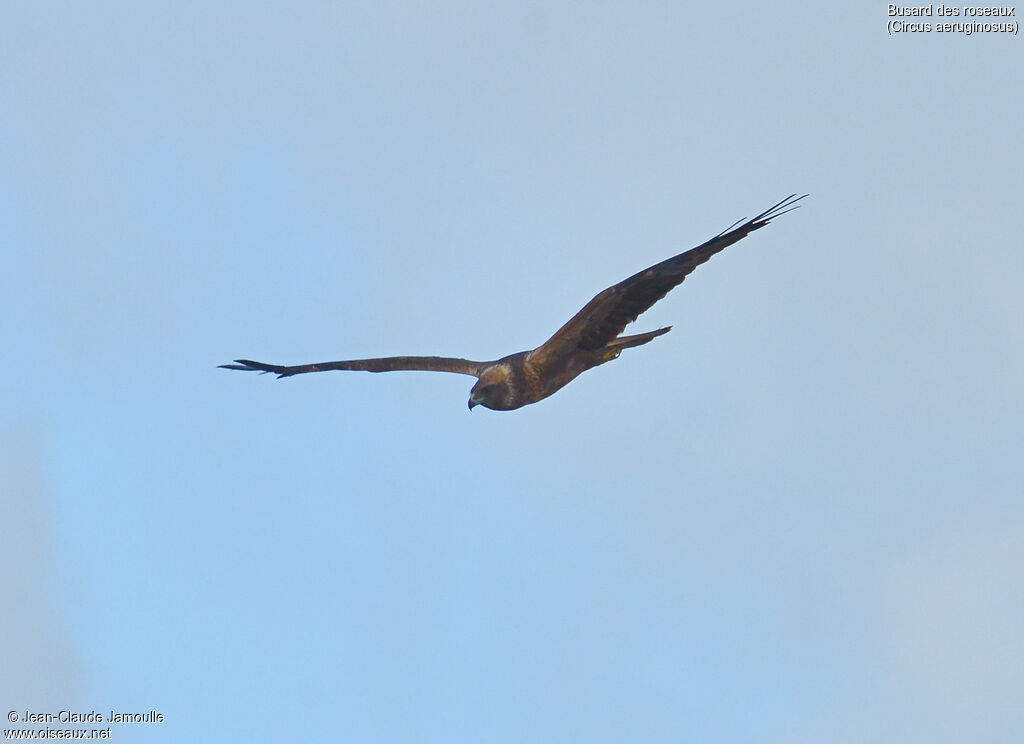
(472, 403)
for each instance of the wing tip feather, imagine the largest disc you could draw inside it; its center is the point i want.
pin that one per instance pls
(248, 365)
(786, 205)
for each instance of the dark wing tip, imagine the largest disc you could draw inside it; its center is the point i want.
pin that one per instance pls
(786, 205)
(247, 365)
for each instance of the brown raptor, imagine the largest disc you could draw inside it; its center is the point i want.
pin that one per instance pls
(589, 339)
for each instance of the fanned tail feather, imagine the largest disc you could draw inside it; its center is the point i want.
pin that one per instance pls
(627, 342)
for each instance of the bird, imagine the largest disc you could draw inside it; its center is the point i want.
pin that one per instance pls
(590, 338)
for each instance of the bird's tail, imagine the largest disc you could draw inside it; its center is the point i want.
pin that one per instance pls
(626, 342)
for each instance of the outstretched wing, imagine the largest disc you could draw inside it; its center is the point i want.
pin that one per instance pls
(383, 364)
(607, 315)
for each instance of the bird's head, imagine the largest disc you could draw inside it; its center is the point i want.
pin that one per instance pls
(492, 389)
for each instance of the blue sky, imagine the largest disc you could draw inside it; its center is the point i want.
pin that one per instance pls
(797, 517)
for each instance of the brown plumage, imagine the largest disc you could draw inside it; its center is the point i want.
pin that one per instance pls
(589, 339)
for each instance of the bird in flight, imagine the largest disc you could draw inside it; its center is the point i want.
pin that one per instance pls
(589, 339)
